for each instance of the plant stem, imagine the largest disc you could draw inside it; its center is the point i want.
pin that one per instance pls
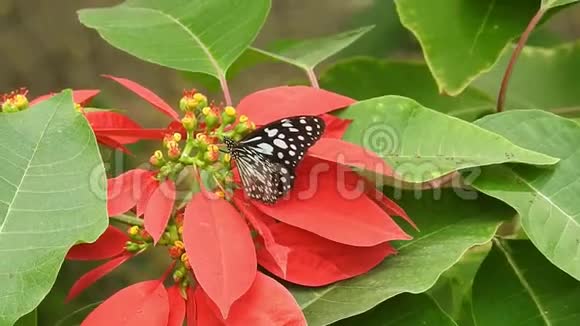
(312, 77)
(225, 89)
(521, 43)
(128, 219)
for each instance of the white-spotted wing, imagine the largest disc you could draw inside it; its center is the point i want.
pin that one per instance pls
(267, 157)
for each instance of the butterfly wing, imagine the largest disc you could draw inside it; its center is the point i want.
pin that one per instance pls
(267, 157)
(286, 141)
(263, 179)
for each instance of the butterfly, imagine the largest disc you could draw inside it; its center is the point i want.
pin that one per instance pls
(267, 157)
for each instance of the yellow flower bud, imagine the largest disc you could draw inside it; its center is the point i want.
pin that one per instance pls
(177, 137)
(184, 258)
(134, 230)
(179, 244)
(213, 148)
(201, 137)
(14, 101)
(206, 110)
(199, 97)
(230, 110)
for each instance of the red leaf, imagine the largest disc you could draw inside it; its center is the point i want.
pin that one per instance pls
(108, 119)
(335, 127)
(159, 209)
(149, 185)
(131, 135)
(110, 244)
(276, 103)
(206, 312)
(81, 97)
(95, 274)
(147, 95)
(315, 261)
(141, 304)
(324, 202)
(105, 119)
(260, 222)
(176, 306)
(267, 303)
(390, 206)
(124, 191)
(84, 96)
(111, 143)
(345, 153)
(220, 249)
(191, 307)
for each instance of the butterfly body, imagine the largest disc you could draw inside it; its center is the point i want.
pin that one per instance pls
(267, 157)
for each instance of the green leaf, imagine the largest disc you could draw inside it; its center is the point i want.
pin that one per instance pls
(51, 197)
(383, 15)
(549, 4)
(307, 54)
(421, 144)
(516, 285)
(30, 319)
(546, 199)
(195, 36)
(247, 60)
(449, 226)
(463, 38)
(402, 310)
(364, 78)
(544, 78)
(452, 292)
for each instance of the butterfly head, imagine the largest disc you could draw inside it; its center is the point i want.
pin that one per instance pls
(230, 144)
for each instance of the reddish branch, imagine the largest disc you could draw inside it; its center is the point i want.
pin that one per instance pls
(521, 43)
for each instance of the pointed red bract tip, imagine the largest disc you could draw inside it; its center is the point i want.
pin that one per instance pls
(95, 274)
(113, 144)
(220, 249)
(334, 261)
(335, 127)
(266, 303)
(141, 304)
(147, 95)
(110, 244)
(159, 208)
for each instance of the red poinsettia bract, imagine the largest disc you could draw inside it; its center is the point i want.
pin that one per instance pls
(332, 225)
(114, 129)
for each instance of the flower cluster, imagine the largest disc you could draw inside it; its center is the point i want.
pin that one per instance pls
(14, 101)
(112, 129)
(332, 226)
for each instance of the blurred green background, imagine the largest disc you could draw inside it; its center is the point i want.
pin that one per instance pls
(44, 47)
